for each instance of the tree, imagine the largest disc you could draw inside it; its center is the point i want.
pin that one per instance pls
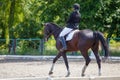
(25, 18)
(109, 15)
(4, 19)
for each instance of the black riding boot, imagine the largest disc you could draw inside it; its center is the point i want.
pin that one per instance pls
(62, 39)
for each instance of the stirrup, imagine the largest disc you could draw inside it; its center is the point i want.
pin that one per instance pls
(63, 49)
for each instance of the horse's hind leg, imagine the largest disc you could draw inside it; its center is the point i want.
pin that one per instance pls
(95, 51)
(87, 61)
(55, 59)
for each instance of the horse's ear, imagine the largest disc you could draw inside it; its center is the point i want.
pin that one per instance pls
(45, 24)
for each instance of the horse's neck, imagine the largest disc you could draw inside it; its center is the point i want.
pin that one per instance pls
(56, 32)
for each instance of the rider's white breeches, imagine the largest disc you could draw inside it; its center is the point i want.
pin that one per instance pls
(65, 31)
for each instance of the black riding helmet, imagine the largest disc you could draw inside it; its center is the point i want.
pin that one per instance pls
(76, 6)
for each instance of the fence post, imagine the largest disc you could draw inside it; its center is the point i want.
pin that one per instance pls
(41, 47)
(14, 46)
(10, 47)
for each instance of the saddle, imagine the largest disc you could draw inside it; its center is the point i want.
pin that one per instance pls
(69, 36)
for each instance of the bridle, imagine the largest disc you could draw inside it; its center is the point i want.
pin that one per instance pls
(49, 34)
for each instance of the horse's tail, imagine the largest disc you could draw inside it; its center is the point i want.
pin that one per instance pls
(99, 36)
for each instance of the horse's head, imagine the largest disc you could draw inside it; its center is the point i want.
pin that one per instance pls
(51, 29)
(47, 31)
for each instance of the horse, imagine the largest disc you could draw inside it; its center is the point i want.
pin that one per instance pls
(82, 41)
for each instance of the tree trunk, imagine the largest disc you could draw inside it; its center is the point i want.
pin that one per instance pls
(10, 21)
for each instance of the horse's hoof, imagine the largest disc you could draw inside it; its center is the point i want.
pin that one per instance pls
(67, 75)
(104, 59)
(82, 75)
(99, 74)
(50, 73)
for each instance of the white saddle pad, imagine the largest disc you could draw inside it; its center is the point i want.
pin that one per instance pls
(70, 35)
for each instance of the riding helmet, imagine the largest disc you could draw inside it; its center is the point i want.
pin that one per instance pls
(76, 6)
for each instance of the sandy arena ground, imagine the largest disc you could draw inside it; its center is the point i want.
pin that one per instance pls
(37, 68)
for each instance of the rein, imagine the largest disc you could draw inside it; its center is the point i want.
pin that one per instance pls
(51, 32)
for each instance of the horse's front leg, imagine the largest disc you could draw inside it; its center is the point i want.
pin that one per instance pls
(66, 63)
(55, 59)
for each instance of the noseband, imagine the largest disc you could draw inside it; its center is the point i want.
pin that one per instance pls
(51, 33)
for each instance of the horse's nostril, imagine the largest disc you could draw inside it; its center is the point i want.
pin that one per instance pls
(45, 39)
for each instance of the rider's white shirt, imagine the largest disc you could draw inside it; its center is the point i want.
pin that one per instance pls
(65, 31)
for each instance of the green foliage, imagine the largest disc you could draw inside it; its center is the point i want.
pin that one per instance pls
(109, 16)
(25, 18)
(50, 47)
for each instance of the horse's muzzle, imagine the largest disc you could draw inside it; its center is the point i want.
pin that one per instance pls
(45, 39)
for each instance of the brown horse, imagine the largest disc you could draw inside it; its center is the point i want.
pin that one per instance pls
(82, 41)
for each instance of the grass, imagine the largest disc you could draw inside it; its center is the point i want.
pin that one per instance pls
(49, 51)
(114, 48)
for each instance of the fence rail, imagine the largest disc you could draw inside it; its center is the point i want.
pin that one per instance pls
(22, 46)
(39, 47)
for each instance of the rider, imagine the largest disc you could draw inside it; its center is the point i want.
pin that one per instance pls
(72, 24)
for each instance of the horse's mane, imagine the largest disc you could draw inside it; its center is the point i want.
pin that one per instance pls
(55, 24)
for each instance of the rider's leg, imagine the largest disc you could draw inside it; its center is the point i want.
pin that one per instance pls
(62, 39)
